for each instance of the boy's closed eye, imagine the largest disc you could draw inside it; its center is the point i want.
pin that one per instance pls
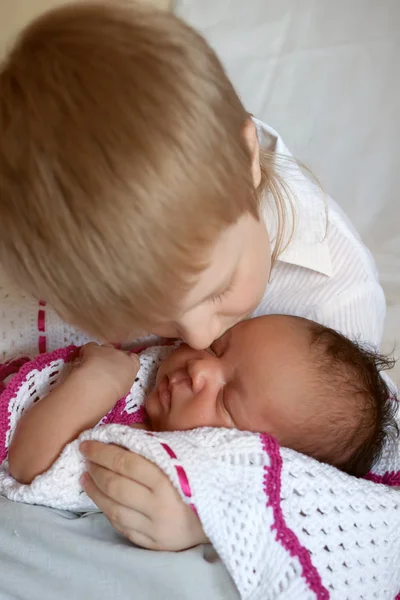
(224, 293)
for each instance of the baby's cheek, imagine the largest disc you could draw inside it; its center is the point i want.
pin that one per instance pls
(150, 405)
(176, 361)
(167, 366)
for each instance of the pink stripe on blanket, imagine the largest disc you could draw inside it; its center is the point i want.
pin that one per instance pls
(38, 364)
(184, 481)
(288, 539)
(168, 450)
(180, 471)
(41, 325)
(391, 478)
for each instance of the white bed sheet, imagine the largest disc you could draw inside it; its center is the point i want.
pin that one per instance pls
(326, 75)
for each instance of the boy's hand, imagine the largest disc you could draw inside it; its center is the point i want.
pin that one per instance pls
(139, 500)
(112, 371)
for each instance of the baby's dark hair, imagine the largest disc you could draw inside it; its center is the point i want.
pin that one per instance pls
(359, 413)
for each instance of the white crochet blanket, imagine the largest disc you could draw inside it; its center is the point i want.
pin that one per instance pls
(286, 526)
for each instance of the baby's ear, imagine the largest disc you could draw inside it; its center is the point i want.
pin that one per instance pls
(250, 136)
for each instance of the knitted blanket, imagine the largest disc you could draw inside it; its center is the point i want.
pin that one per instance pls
(286, 526)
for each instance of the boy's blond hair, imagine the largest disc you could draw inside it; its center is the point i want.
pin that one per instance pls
(121, 160)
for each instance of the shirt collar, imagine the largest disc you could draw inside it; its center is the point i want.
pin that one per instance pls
(305, 211)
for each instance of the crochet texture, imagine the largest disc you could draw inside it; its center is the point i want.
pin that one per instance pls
(286, 526)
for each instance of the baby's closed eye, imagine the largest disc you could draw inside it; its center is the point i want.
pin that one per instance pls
(223, 400)
(220, 346)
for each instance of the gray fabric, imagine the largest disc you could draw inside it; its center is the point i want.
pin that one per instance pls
(53, 555)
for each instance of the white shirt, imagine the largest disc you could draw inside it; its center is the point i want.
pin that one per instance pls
(325, 273)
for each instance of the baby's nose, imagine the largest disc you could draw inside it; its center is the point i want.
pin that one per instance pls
(181, 376)
(205, 371)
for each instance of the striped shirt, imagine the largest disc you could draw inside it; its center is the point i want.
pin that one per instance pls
(325, 273)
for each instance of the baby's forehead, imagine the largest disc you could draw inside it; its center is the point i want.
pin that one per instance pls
(271, 331)
(271, 354)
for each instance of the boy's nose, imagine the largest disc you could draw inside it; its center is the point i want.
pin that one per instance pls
(200, 336)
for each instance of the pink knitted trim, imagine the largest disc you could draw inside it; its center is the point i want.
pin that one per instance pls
(397, 597)
(41, 325)
(391, 478)
(119, 415)
(38, 364)
(12, 366)
(288, 539)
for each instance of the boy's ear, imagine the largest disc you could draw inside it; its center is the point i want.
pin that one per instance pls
(250, 136)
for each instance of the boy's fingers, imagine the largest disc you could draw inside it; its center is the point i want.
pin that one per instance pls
(123, 462)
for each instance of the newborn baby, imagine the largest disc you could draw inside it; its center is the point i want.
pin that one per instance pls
(308, 386)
